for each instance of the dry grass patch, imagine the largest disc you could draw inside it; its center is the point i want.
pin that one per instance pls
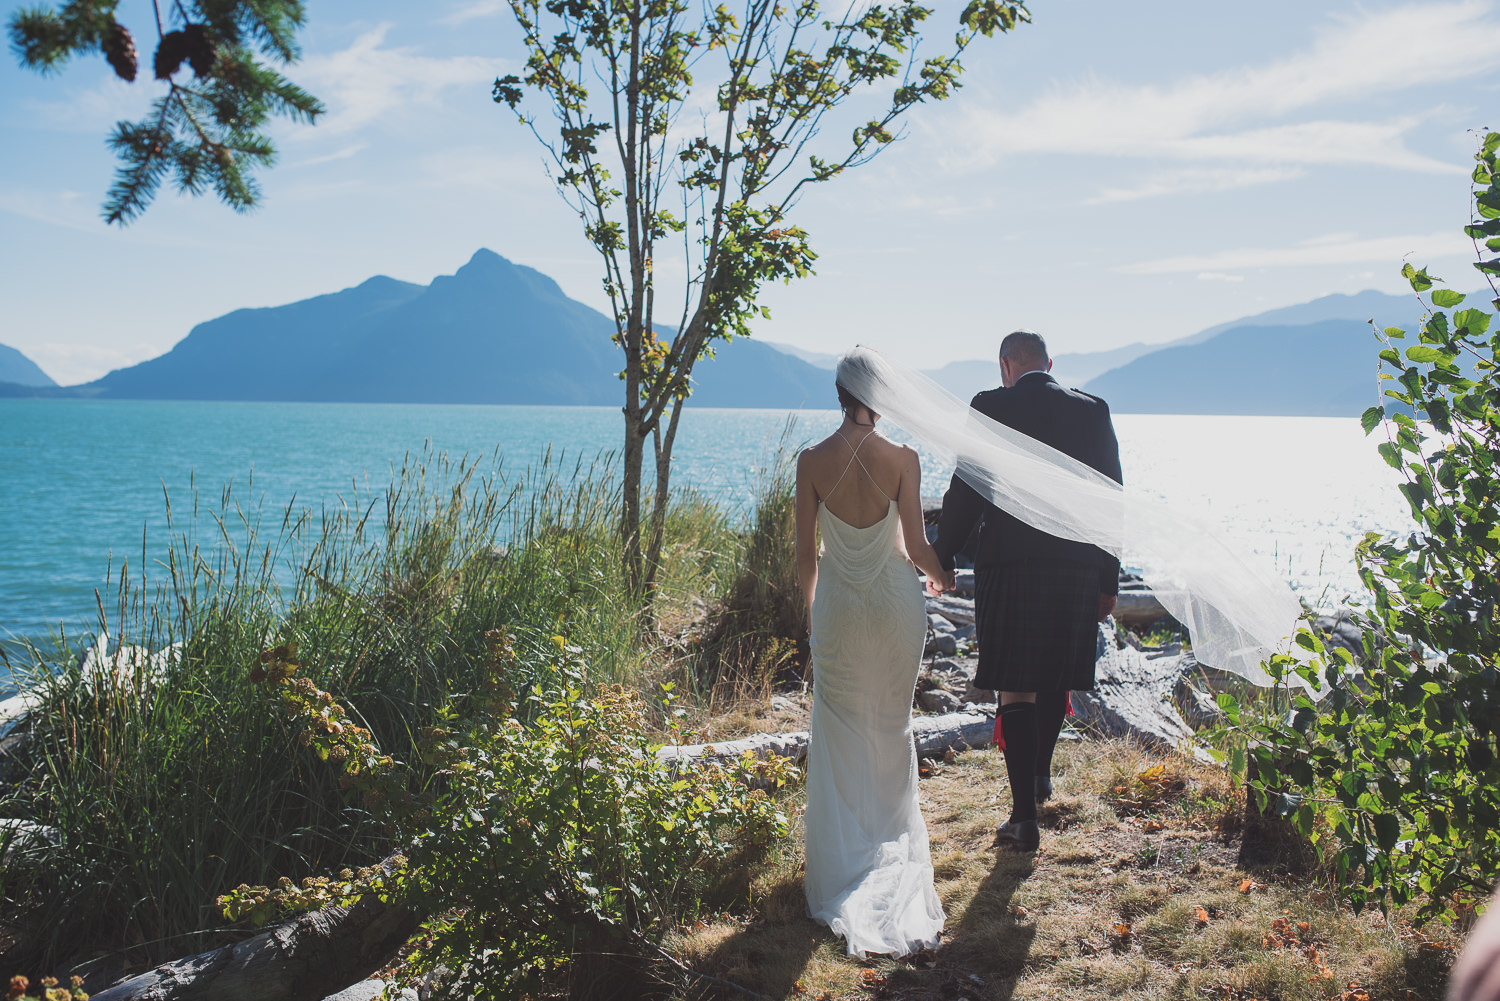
(1148, 885)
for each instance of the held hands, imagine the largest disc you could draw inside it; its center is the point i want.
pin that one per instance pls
(944, 582)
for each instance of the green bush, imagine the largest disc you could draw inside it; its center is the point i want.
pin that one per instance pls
(1395, 771)
(557, 847)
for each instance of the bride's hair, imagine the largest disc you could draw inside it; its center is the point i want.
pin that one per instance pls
(856, 367)
(848, 403)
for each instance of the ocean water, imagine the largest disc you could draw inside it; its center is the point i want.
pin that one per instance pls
(84, 484)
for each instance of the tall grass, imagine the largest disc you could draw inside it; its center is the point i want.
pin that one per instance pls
(167, 787)
(757, 632)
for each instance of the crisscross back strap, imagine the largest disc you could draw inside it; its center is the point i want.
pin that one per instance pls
(853, 458)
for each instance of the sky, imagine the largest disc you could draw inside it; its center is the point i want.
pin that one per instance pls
(1109, 173)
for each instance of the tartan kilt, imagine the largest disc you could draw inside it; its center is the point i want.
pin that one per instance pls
(1037, 625)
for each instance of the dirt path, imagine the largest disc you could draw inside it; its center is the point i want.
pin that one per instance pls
(1148, 885)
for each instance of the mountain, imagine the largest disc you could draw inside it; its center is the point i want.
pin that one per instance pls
(1158, 378)
(965, 378)
(817, 359)
(1325, 369)
(19, 370)
(494, 332)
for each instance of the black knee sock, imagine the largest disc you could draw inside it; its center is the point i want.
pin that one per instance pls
(1018, 720)
(1051, 710)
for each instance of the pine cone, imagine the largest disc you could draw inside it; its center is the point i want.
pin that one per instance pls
(201, 54)
(170, 54)
(119, 49)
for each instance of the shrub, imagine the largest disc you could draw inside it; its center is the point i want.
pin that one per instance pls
(1399, 763)
(557, 848)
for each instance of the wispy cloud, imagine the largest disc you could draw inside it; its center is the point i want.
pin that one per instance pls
(1194, 180)
(1333, 249)
(475, 10)
(1244, 115)
(67, 209)
(95, 108)
(369, 81)
(341, 154)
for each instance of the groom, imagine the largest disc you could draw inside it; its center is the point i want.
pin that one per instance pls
(1038, 598)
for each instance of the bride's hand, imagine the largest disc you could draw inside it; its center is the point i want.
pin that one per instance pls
(937, 585)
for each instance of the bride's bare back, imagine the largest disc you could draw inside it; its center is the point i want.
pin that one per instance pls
(855, 474)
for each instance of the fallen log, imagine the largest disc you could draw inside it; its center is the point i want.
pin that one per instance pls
(932, 734)
(306, 959)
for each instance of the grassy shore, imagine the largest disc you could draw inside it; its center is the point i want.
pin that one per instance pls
(168, 789)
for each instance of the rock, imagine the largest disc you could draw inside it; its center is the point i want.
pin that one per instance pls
(940, 643)
(939, 700)
(946, 665)
(979, 696)
(938, 624)
(1133, 697)
(18, 835)
(98, 666)
(1347, 629)
(369, 990)
(965, 632)
(963, 584)
(1137, 609)
(959, 611)
(1197, 707)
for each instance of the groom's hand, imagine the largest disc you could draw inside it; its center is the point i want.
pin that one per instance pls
(937, 585)
(1106, 605)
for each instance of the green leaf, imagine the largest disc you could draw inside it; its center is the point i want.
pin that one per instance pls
(1420, 280)
(1475, 321)
(1387, 830)
(1423, 353)
(1371, 418)
(1446, 298)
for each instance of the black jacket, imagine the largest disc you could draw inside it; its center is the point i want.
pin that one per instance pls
(1070, 421)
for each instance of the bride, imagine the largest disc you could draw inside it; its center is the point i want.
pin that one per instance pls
(868, 874)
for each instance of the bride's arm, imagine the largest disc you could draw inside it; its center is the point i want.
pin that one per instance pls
(807, 533)
(909, 507)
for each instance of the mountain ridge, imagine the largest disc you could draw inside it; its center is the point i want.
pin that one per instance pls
(492, 332)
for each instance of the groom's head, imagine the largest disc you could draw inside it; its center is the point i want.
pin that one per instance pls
(1021, 352)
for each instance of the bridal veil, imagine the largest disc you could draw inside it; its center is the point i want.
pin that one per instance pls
(1237, 612)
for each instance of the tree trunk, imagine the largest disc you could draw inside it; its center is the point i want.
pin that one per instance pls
(663, 487)
(630, 499)
(305, 959)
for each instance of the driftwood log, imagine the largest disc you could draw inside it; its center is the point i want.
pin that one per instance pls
(306, 959)
(933, 735)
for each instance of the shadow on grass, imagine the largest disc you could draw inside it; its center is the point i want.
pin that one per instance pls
(983, 952)
(768, 957)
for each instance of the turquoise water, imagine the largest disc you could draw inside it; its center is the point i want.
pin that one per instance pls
(82, 483)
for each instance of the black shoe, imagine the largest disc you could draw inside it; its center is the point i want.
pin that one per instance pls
(1043, 789)
(1018, 835)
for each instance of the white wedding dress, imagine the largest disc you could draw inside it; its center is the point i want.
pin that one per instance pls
(869, 874)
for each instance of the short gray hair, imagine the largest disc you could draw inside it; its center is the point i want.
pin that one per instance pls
(1024, 345)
